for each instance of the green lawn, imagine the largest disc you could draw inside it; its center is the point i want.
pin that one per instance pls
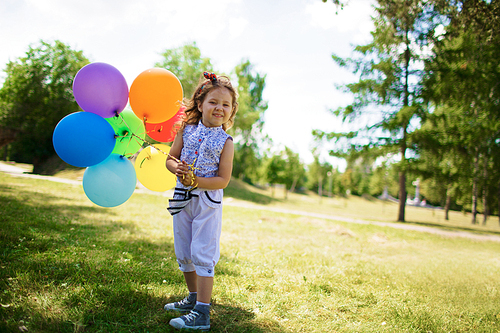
(68, 265)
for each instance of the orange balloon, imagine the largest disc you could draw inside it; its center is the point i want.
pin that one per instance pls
(155, 94)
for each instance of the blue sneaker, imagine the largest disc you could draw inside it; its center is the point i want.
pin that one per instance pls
(197, 319)
(186, 305)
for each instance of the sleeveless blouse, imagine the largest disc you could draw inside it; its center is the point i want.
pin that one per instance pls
(202, 146)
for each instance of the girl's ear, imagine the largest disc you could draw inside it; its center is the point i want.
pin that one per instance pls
(198, 104)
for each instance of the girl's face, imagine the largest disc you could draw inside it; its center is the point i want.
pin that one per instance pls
(216, 108)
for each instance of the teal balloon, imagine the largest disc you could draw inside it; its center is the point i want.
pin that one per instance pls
(83, 139)
(111, 182)
(129, 130)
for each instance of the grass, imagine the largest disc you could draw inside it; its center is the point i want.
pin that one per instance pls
(67, 265)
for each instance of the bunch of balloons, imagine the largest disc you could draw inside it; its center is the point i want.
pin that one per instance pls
(104, 135)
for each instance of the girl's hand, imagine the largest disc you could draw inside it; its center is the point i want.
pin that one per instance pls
(182, 170)
(188, 179)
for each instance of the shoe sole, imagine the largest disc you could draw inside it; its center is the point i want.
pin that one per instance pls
(179, 324)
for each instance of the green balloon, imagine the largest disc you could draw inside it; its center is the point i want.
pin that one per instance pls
(130, 133)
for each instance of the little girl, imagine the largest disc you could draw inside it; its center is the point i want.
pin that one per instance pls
(201, 157)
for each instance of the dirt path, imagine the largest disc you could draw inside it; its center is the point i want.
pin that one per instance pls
(446, 233)
(19, 172)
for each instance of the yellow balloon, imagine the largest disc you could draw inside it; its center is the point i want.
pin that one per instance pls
(150, 167)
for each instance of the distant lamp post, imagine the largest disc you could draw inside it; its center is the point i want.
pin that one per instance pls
(416, 200)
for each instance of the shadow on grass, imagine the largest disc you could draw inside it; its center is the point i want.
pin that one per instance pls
(240, 190)
(234, 319)
(454, 228)
(63, 271)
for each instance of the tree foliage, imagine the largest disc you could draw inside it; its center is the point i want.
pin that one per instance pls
(387, 96)
(251, 86)
(284, 167)
(36, 95)
(428, 89)
(462, 83)
(187, 64)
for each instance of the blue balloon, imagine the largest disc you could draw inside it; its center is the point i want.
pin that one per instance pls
(83, 139)
(111, 182)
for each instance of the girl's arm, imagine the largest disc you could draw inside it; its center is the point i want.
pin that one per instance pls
(173, 166)
(225, 169)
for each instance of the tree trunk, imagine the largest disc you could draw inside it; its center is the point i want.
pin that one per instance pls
(7, 136)
(474, 187)
(406, 102)
(448, 202)
(402, 196)
(486, 211)
(402, 180)
(499, 204)
(294, 183)
(320, 187)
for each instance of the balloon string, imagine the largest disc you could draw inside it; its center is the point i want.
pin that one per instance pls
(145, 132)
(138, 137)
(149, 144)
(128, 144)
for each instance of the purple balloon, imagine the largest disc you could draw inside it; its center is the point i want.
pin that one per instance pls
(101, 89)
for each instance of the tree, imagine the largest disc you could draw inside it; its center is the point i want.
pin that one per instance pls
(249, 120)
(360, 171)
(462, 80)
(273, 170)
(252, 107)
(317, 174)
(294, 172)
(36, 95)
(246, 163)
(442, 160)
(388, 91)
(284, 167)
(187, 64)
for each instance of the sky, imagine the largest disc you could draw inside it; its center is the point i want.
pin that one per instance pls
(289, 41)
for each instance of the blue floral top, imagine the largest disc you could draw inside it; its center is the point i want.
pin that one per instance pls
(203, 144)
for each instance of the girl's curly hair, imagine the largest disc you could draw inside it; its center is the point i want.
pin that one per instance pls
(208, 82)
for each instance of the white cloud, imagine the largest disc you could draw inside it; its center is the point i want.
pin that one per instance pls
(353, 19)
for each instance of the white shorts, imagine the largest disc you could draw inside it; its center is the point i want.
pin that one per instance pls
(197, 230)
